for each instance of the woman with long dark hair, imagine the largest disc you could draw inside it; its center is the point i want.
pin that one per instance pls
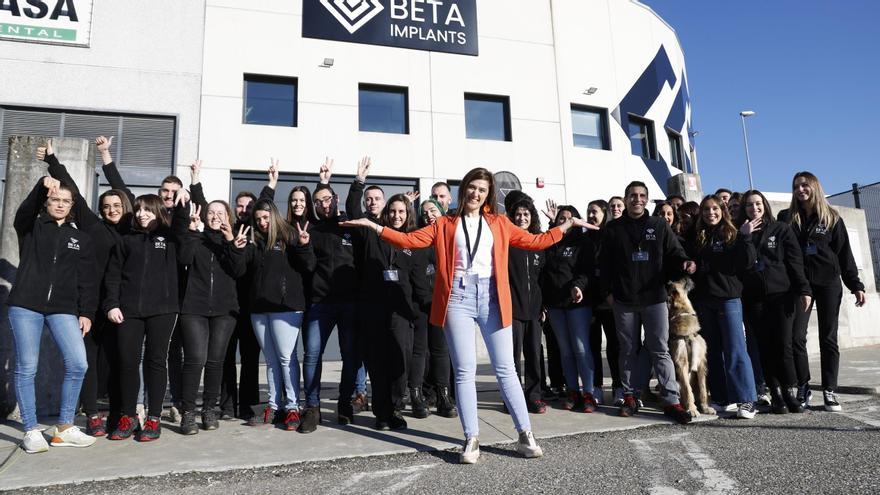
(828, 258)
(774, 290)
(55, 286)
(141, 297)
(722, 255)
(471, 289)
(299, 205)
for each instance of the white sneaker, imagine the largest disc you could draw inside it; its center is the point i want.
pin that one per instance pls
(34, 442)
(831, 403)
(71, 437)
(598, 395)
(764, 400)
(724, 408)
(527, 445)
(141, 414)
(175, 415)
(471, 451)
(618, 397)
(746, 410)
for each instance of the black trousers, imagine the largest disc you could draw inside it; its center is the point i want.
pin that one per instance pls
(175, 365)
(603, 320)
(153, 335)
(205, 340)
(770, 321)
(527, 344)
(430, 356)
(389, 350)
(100, 345)
(239, 392)
(827, 301)
(554, 361)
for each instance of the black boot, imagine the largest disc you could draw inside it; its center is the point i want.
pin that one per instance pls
(344, 412)
(188, 424)
(445, 405)
(777, 403)
(210, 420)
(790, 396)
(417, 402)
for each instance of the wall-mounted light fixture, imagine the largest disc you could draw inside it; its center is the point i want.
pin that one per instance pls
(328, 62)
(591, 91)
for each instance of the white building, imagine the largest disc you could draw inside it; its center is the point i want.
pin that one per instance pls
(575, 97)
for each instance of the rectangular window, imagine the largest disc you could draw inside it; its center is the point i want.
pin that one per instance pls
(589, 127)
(676, 149)
(383, 109)
(269, 100)
(487, 117)
(641, 136)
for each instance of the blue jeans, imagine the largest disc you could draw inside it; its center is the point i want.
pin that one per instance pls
(320, 320)
(476, 303)
(27, 330)
(572, 330)
(731, 379)
(277, 333)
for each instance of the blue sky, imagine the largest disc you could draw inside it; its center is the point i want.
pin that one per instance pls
(810, 70)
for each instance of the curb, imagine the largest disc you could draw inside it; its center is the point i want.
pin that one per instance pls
(851, 389)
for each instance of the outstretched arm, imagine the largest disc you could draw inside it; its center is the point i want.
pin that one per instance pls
(109, 167)
(417, 239)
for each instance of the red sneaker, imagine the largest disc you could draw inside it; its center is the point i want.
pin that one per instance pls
(676, 412)
(291, 421)
(151, 430)
(95, 426)
(630, 406)
(125, 427)
(589, 403)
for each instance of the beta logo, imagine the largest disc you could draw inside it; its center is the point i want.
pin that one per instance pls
(159, 243)
(353, 14)
(568, 252)
(771, 242)
(650, 235)
(73, 244)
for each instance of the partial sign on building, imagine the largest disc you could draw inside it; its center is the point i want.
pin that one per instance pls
(435, 25)
(57, 22)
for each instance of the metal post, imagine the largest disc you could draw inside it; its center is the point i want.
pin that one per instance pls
(857, 201)
(746, 142)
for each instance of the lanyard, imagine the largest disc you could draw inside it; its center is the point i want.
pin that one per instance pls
(639, 237)
(467, 238)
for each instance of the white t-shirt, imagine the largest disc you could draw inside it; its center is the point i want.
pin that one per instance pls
(482, 265)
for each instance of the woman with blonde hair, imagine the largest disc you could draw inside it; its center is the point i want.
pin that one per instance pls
(828, 258)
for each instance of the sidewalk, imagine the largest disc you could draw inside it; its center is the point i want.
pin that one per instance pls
(235, 446)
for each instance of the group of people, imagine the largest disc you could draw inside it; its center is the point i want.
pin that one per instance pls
(168, 287)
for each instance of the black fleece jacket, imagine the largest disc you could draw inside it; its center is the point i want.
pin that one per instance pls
(569, 264)
(277, 276)
(827, 253)
(639, 282)
(335, 278)
(142, 275)
(524, 271)
(779, 267)
(214, 265)
(56, 270)
(720, 265)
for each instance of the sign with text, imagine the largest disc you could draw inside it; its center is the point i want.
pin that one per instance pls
(57, 22)
(435, 25)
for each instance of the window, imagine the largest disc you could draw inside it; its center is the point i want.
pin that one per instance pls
(383, 109)
(487, 117)
(641, 136)
(676, 149)
(589, 127)
(269, 100)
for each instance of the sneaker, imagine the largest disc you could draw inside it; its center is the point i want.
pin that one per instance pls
(210, 420)
(291, 420)
(360, 402)
(588, 402)
(278, 417)
(618, 397)
(227, 416)
(71, 437)
(141, 415)
(125, 427)
(572, 401)
(746, 410)
(805, 395)
(310, 420)
(721, 408)
(831, 403)
(764, 400)
(268, 416)
(174, 414)
(344, 412)
(598, 395)
(34, 442)
(630, 407)
(536, 406)
(527, 445)
(151, 430)
(188, 424)
(677, 413)
(95, 426)
(471, 451)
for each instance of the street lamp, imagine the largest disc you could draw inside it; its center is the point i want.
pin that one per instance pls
(743, 115)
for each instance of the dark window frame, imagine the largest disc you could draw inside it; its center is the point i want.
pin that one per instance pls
(677, 156)
(387, 88)
(505, 102)
(651, 138)
(603, 125)
(272, 79)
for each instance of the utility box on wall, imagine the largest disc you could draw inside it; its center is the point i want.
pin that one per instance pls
(687, 186)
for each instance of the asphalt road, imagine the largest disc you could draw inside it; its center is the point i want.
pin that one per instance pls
(817, 452)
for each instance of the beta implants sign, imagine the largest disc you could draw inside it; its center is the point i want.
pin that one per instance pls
(61, 22)
(435, 25)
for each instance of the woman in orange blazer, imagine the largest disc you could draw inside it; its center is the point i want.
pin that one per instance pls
(471, 288)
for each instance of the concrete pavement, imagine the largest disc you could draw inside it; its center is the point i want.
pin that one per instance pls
(235, 446)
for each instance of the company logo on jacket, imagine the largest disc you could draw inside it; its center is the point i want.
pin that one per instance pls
(568, 252)
(650, 235)
(771, 242)
(346, 239)
(159, 243)
(73, 244)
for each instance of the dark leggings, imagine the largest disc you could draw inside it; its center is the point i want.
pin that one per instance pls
(205, 340)
(430, 355)
(770, 321)
(827, 301)
(240, 392)
(100, 342)
(389, 352)
(527, 343)
(554, 361)
(132, 335)
(603, 320)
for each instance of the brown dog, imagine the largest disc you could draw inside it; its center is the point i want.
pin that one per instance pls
(687, 348)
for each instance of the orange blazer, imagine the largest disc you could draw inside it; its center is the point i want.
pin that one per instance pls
(442, 236)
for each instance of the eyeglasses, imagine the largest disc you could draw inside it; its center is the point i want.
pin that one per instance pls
(325, 201)
(61, 201)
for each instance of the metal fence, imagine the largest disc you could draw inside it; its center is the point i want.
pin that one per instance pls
(866, 198)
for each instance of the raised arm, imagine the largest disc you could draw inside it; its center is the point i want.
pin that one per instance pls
(29, 208)
(81, 211)
(268, 191)
(354, 203)
(195, 189)
(110, 171)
